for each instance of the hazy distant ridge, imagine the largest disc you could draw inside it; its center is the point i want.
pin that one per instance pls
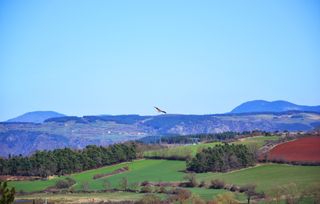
(273, 106)
(36, 116)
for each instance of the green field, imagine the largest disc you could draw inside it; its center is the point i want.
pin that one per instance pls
(210, 194)
(191, 150)
(83, 197)
(268, 176)
(140, 170)
(258, 140)
(264, 176)
(181, 151)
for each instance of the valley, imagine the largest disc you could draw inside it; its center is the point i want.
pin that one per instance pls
(160, 177)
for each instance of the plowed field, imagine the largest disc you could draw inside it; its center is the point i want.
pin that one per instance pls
(301, 150)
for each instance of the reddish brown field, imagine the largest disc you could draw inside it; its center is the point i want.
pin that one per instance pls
(305, 149)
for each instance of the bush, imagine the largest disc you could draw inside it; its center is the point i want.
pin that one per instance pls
(197, 200)
(133, 186)
(106, 185)
(62, 184)
(150, 199)
(234, 188)
(184, 194)
(224, 198)
(162, 189)
(180, 195)
(217, 184)
(124, 184)
(192, 181)
(66, 183)
(247, 188)
(97, 176)
(6, 194)
(146, 189)
(145, 183)
(85, 186)
(203, 184)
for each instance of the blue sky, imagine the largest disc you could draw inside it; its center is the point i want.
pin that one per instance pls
(123, 57)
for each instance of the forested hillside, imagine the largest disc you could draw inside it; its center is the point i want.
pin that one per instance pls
(78, 132)
(66, 161)
(222, 158)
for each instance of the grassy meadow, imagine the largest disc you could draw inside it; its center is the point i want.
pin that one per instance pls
(257, 140)
(182, 152)
(266, 176)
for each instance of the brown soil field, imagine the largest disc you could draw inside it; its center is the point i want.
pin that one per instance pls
(305, 149)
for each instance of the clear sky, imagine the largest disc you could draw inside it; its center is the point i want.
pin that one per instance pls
(124, 57)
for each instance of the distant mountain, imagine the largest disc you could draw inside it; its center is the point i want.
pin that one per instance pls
(78, 132)
(273, 106)
(36, 117)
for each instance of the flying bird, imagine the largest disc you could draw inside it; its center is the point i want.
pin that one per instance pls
(159, 110)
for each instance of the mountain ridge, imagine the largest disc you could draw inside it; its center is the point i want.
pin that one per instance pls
(36, 116)
(272, 106)
(78, 132)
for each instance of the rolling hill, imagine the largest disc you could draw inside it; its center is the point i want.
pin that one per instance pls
(36, 116)
(273, 106)
(78, 132)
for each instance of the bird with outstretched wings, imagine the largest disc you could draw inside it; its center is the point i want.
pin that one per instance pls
(159, 110)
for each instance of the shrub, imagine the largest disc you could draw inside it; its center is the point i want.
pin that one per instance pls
(183, 194)
(249, 190)
(97, 176)
(203, 184)
(146, 189)
(314, 192)
(66, 183)
(197, 200)
(6, 194)
(192, 181)
(162, 189)
(70, 181)
(150, 199)
(134, 186)
(224, 198)
(85, 186)
(217, 184)
(145, 183)
(247, 187)
(234, 188)
(123, 184)
(106, 185)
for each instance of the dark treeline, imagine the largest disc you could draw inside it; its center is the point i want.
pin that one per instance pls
(66, 161)
(199, 138)
(194, 138)
(189, 139)
(204, 137)
(222, 158)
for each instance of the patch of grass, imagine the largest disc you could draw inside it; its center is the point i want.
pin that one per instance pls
(268, 176)
(77, 197)
(38, 185)
(180, 151)
(151, 170)
(210, 194)
(140, 170)
(258, 140)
